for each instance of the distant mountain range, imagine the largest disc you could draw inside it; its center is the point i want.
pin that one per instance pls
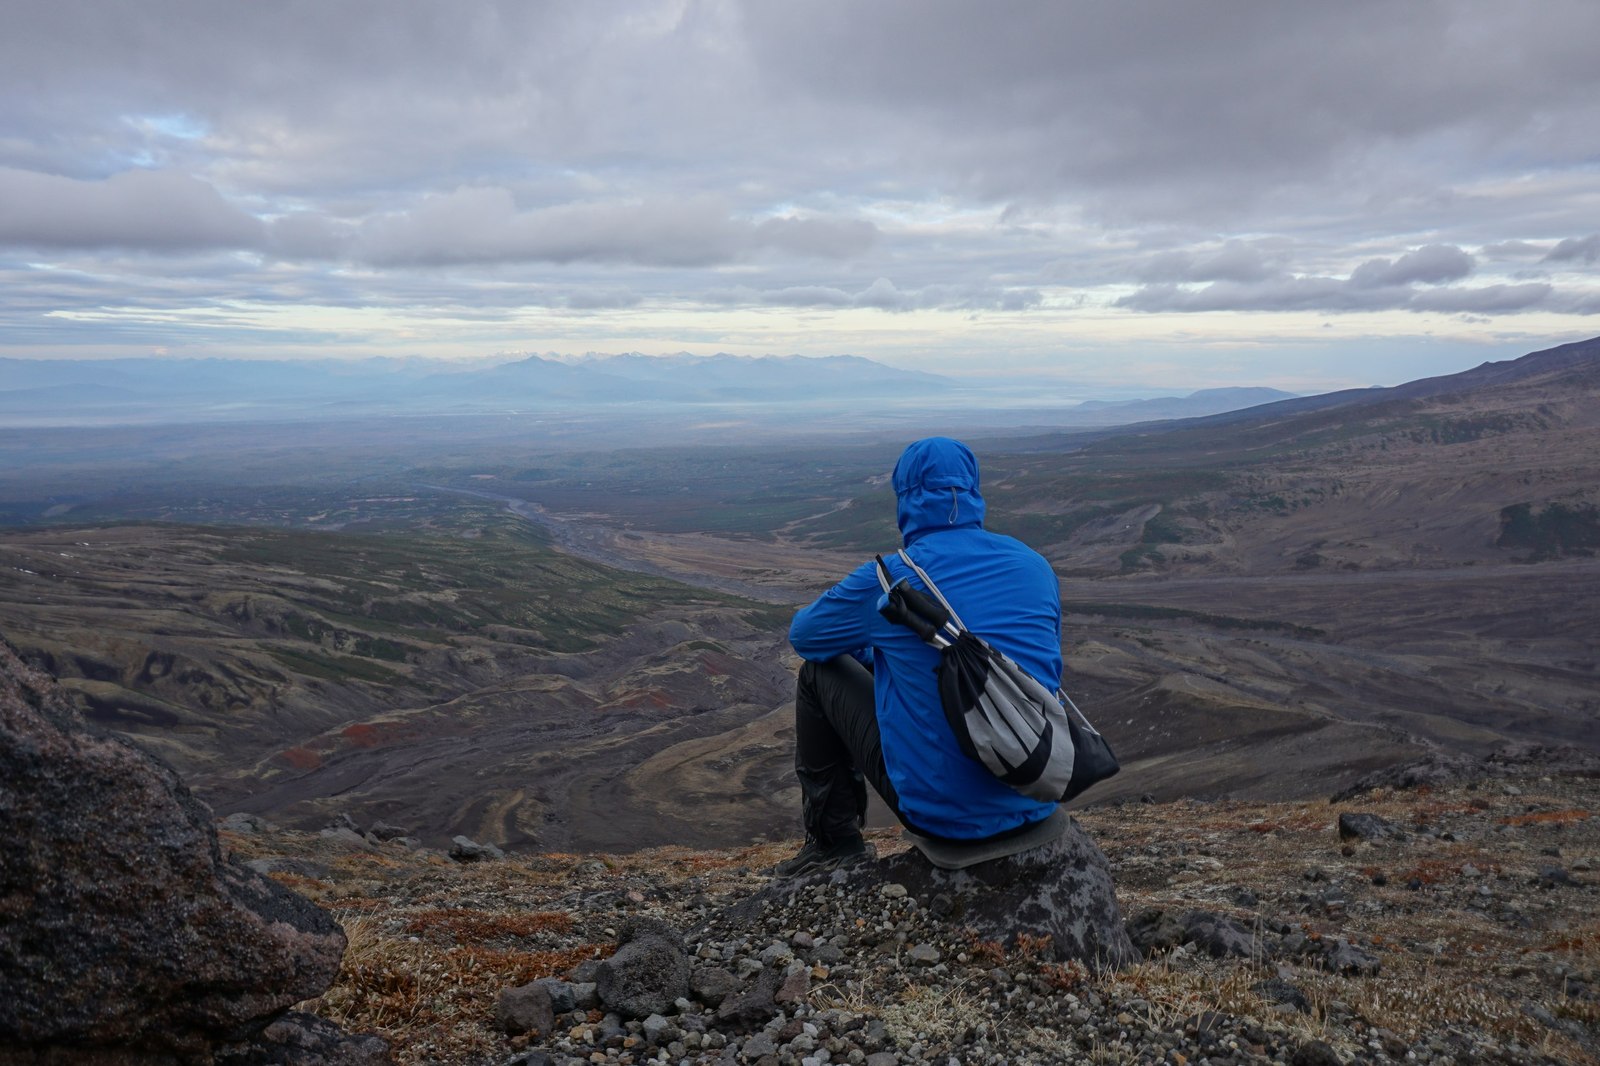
(40, 392)
(145, 389)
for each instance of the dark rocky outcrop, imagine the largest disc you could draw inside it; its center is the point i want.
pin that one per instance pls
(1061, 890)
(648, 972)
(1214, 934)
(125, 934)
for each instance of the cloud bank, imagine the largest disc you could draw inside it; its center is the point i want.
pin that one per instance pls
(693, 168)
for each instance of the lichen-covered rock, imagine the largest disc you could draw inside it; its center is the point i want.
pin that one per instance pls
(123, 927)
(1061, 890)
(649, 971)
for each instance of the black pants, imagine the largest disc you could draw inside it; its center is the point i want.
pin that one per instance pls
(837, 751)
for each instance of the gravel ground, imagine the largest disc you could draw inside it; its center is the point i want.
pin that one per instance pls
(1460, 924)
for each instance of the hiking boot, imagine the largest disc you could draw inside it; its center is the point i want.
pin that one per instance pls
(816, 855)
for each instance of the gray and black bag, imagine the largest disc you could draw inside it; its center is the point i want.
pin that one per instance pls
(1001, 716)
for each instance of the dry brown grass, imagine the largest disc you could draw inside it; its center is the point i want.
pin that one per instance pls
(434, 999)
(483, 925)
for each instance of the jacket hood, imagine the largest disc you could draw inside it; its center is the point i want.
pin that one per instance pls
(936, 487)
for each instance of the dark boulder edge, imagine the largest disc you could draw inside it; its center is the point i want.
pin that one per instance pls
(125, 932)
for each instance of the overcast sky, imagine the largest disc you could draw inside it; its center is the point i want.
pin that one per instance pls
(1121, 196)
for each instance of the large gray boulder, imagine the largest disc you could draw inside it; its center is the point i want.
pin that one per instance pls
(125, 934)
(1061, 889)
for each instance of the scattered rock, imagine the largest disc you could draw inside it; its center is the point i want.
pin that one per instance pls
(1341, 956)
(344, 835)
(1155, 930)
(793, 987)
(1551, 876)
(711, 984)
(1277, 990)
(755, 1004)
(1061, 890)
(241, 822)
(1218, 936)
(1368, 827)
(1160, 930)
(525, 1008)
(563, 994)
(1315, 1053)
(648, 972)
(464, 849)
(385, 832)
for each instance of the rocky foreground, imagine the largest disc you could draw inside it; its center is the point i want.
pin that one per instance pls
(1448, 915)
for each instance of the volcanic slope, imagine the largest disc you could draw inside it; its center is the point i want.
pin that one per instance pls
(477, 683)
(1265, 602)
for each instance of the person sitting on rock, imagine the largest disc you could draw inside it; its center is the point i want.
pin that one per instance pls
(867, 706)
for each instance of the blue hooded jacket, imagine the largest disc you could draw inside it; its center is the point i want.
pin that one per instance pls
(1003, 590)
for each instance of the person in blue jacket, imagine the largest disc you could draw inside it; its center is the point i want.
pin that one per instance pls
(867, 705)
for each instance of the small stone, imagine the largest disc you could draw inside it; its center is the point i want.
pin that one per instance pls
(240, 822)
(1315, 1053)
(523, 1009)
(776, 955)
(711, 984)
(1550, 876)
(893, 891)
(794, 987)
(1280, 991)
(464, 849)
(1369, 827)
(656, 1027)
(924, 955)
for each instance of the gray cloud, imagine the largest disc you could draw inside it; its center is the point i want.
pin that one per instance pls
(1323, 294)
(1434, 263)
(1575, 248)
(485, 225)
(158, 211)
(884, 295)
(1234, 261)
(1514, 250)
(471, 160)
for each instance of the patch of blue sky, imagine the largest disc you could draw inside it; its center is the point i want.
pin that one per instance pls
(179, 125)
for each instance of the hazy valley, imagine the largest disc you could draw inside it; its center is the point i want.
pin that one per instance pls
(509, 631)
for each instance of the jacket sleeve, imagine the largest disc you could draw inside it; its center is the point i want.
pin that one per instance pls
(839, 622)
